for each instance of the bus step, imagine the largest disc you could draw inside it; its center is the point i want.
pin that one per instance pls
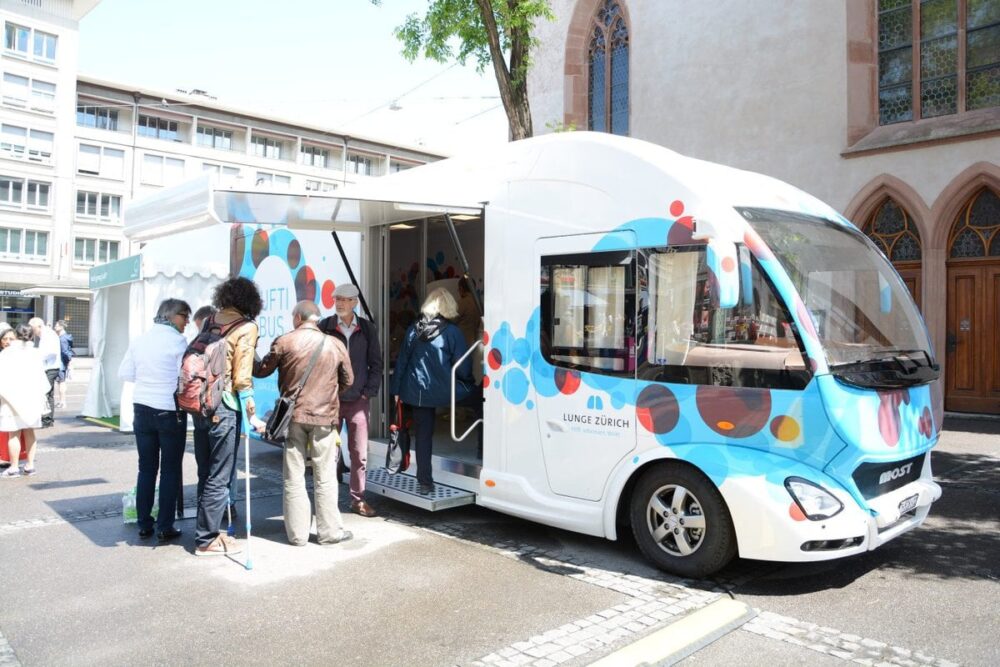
(403, 488)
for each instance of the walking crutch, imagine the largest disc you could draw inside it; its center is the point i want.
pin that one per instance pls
(246, 460)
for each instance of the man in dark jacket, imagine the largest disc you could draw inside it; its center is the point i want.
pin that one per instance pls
(361, 340)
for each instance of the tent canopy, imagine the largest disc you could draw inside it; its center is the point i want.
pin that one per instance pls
(201, 203)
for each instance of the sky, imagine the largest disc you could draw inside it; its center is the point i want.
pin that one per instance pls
(333, 63)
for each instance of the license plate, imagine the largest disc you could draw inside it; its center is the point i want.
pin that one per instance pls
(908, 504)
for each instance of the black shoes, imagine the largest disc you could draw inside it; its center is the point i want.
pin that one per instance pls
(167, 535)
(145, 533)
(425, 489)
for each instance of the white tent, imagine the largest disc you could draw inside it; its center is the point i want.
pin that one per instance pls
(184, 267)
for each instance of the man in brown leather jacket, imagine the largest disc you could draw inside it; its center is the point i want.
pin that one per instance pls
(315, 419)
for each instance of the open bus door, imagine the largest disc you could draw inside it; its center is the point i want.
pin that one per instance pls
(456, 478)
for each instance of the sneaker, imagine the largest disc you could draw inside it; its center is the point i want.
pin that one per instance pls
(343, 537)
(28, 472)
(10, 473)
(223, 545)
(4, 465)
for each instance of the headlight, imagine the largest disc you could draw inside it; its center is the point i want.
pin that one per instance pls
(814, 501)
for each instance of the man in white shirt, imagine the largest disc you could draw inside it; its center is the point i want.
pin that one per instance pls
(47, 342)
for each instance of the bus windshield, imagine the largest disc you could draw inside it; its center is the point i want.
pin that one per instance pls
(862, 311)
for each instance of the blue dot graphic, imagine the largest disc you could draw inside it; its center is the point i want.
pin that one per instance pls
(515, 386)
(530, 405)
(635, 459)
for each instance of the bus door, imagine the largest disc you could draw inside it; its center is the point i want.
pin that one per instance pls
(588, 307)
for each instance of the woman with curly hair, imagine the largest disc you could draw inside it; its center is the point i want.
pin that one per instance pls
(216, 438)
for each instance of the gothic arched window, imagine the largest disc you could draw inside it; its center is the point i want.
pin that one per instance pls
(894, 233)
(977, 231)
(607, 59)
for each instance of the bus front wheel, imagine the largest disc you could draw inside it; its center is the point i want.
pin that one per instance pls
(681, 522)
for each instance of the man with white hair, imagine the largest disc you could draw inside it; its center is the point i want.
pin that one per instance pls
(360, 338)
(47, 342)
(314, 369)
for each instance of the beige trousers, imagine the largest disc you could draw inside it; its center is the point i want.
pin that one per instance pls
(322, 445)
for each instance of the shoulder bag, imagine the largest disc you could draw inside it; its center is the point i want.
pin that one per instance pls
(280, 418)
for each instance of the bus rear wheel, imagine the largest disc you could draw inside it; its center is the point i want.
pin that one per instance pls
(681, 522)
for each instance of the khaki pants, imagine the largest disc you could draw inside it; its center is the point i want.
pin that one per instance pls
(323, 444)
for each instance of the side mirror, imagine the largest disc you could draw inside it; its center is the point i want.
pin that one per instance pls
(723, 265)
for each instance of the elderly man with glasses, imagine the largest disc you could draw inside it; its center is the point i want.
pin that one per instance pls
(361, 340)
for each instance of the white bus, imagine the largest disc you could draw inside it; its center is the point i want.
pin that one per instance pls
(707, 357)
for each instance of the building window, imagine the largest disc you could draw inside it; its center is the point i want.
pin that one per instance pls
(314, 156)
(24, 244)
(98, 206)
(396, 166)
(160, 170)
(925, 80)
(103, 118)
(101, 161)
(320, 186)
(26, 195)
(45, 46)
(607, 87)
(266, 147)
(894, 233)
(23, 144)
(88, 252)
(977, 232)
(25, 93)
(158, 128)
(363, 165)
(17, 39)
(226, 175)
(277, 181)
(213, 137)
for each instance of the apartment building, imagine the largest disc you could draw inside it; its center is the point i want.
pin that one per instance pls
(74, 150)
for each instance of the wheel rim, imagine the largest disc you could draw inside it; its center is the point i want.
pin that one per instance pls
(675, 520)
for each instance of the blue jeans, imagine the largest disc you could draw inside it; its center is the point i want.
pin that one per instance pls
(159, 439)
(215, 441)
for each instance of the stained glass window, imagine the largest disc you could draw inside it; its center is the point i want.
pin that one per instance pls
(978, 228)
(932, 74)
(607, 83)
(894, 233)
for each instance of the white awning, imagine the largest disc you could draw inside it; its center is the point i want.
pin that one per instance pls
(199, 203)
(69, 291)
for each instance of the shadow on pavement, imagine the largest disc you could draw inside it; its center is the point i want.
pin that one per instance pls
(971, 425)
(67, 484)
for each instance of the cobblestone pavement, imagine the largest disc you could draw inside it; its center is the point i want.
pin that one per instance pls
(930, 597)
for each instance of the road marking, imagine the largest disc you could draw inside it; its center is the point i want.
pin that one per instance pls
(683, 637)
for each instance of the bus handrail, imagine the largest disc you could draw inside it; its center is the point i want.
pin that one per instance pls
(478, 343)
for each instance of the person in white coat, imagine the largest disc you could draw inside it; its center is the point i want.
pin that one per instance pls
(23, 390)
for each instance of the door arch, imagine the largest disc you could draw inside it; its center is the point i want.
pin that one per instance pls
(972, 377)
(894, 232)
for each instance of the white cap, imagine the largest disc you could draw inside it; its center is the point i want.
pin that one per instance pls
(346, 290)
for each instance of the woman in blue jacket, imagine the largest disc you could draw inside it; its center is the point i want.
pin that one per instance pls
(422, 378)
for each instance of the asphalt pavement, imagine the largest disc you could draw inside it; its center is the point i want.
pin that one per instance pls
(464, 586)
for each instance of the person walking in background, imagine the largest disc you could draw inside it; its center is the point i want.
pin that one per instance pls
(422, 377)
(323, 363)
(66, 355)
(360, 338)
(23, 388)
(7, 336)
(216, 438)
(47, 342)
(153, 363)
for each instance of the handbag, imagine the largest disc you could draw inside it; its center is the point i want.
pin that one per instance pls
(397, 456)
(280, 419)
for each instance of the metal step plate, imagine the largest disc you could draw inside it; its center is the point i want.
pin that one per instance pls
(403, 488)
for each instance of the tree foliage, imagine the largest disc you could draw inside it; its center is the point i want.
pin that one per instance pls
(496, 32)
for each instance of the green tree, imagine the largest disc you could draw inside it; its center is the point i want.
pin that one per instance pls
(487, 31)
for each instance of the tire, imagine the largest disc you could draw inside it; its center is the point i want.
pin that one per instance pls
(680, 506)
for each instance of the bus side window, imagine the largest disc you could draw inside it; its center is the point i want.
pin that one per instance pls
(588, 311)
(690, 339)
